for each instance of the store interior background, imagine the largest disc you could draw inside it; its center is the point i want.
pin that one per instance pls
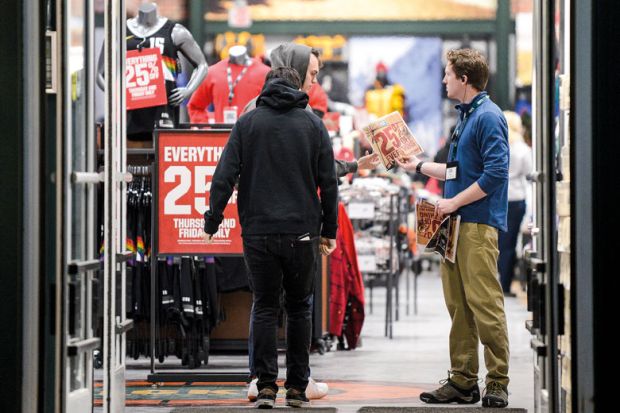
(356, 37)
(556, 55)
(350, 58)
(414, 61)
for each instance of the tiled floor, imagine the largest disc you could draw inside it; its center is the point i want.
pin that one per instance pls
(386, 372)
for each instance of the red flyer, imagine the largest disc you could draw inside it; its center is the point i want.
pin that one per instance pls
(144, 79)
(186, 161)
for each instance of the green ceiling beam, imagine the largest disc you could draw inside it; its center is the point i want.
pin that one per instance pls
(196, 26)
(445, 28)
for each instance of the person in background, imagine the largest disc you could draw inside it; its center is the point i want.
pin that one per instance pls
(383, 97)
(520, 167)
(284, 222)
(441, 156)
(476, 188)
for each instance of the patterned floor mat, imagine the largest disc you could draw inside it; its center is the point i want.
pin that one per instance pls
(142, 393)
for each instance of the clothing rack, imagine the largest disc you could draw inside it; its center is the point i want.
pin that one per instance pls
(190, 340)
(195, 305)
(144, 280)
(183, 328)
(378, 217)
(408, 263)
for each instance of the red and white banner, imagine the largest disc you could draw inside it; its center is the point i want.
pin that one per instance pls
(144, 79)
(186, 161)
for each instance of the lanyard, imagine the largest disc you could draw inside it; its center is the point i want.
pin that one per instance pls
(461, 125)
(231, 85)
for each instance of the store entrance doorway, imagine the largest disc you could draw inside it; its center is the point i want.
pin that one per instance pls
(90, 256)
(115, 179)
(76, 162)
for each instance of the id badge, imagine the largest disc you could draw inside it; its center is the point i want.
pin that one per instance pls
(230, 114)
(452, 170)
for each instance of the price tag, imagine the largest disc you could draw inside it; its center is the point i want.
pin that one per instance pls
(361, 210)
(367, 263)
(144, 79)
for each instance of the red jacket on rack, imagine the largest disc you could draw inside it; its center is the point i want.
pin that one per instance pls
(346, 284)
(214, 89)
(318, 98)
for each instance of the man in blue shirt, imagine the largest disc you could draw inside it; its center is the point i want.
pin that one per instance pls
(476, 188)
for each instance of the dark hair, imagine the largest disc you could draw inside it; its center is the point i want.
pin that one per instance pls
(317, 54)
(470, 63)
(286, 73)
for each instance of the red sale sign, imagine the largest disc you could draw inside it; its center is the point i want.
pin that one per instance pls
(186, 161)
(144, 79)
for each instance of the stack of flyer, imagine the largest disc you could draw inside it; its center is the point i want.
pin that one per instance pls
(437, 233)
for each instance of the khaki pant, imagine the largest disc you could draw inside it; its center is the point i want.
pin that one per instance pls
(476, 305)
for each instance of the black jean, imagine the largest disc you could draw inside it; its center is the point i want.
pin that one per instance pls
(508, 242)
(275, 263)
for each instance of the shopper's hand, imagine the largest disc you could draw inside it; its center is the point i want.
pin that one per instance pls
(446, 206)
(409, 164)
(368, 161)
(327, 246)
(208, 238)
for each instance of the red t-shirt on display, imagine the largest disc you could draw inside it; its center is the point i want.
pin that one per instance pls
(215, 89)
(318, 98)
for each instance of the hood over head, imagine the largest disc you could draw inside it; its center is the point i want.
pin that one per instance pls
(279, 94)
(292, 55)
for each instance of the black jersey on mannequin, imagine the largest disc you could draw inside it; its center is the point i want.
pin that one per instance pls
(140, 122)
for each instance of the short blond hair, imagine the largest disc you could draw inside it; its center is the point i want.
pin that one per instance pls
(515, 126)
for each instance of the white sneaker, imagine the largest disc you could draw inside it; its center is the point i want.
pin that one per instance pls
(253, 390)
(315, 390)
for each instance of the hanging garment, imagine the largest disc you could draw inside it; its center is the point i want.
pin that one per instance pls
(209, 293)
(383, 101)
(138, 267)
(140, 122)
(186, 296)
(187, 286)
(346, 284)
(318, 100)
(216, 89)
(231, 273)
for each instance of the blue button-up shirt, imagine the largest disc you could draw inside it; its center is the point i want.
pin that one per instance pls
(482, 154)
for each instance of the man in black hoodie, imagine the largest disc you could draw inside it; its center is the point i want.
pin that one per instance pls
(282, 155)
(306, 61)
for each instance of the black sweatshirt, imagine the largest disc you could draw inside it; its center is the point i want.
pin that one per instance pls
(282, 155)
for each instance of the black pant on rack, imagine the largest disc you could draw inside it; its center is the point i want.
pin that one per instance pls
(279, 262)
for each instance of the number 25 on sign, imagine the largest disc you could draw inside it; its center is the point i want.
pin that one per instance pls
(385, 136)
(144, 81)
(176, 202)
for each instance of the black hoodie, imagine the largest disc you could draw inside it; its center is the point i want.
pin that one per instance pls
(282, 155)
(297, 56)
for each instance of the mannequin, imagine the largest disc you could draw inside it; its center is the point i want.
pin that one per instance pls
(149, 29)
(238, 55)
(229, 86)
